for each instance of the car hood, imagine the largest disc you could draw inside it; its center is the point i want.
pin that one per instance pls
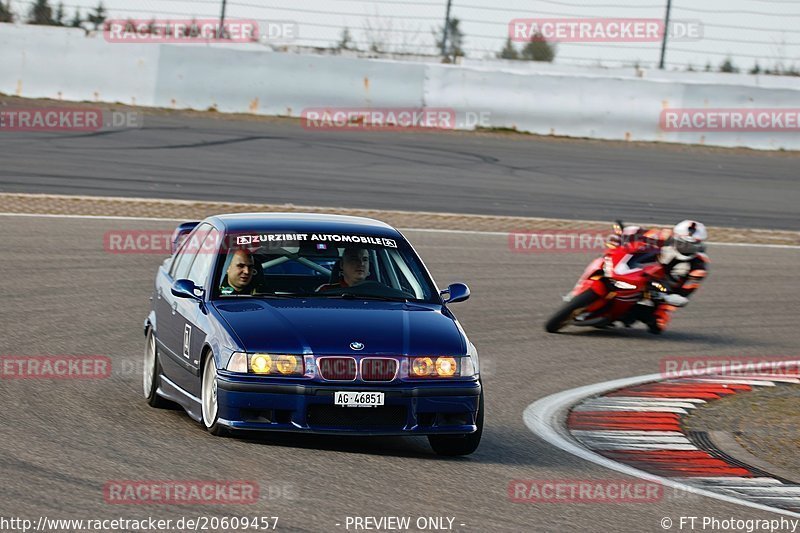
(330, 326)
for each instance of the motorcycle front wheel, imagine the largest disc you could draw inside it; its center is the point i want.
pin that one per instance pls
(570, 310)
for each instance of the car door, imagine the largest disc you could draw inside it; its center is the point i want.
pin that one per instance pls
(169, 323)
(194, 315)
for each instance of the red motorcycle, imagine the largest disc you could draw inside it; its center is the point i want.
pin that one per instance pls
(624, 285)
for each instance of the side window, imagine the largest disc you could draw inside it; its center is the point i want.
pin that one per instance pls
(180, 267)
(408, 274)
(205, 258)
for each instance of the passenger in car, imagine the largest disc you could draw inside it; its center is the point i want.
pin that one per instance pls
(354, 269)
(239, 276)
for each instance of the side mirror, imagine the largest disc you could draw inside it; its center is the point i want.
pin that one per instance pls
(456, 292)
(185, 288)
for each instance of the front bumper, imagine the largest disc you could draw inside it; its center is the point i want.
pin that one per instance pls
(410, 408)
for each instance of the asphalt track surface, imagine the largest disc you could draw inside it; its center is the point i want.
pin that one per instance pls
(277, 161)
(63, 440)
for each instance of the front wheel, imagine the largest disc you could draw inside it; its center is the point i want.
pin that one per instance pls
(208, 398)
(151, 373)
(570, 310)
(454, 445)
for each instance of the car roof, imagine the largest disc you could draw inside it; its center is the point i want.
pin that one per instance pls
(302, 222)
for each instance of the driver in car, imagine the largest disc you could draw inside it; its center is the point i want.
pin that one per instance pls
(354, 270)
(239, 276)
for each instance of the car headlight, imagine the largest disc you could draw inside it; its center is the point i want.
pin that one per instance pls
(289, 365)
(441, 367)
(446, 367)
(471, 364)
(261, 363)
(421, 367)
(237, 363)
(266, 364)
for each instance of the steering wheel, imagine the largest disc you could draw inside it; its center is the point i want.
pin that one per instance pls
(372, 288)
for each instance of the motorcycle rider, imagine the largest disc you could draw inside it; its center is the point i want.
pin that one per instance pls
(681, 253)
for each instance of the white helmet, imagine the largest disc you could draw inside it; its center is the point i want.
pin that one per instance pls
(689, 238)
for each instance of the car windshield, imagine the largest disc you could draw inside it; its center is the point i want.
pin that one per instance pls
(311, 265)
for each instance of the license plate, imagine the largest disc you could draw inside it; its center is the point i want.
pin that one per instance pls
(358, 399)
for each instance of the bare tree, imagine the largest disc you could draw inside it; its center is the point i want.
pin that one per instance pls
(77, 20)
(538, 49)
(58, 20)
(508, 51)
(6, 15)
(454, 47)
(377, 34)
(98, 17)
(41, 14)
(345, 41)
(728, 66)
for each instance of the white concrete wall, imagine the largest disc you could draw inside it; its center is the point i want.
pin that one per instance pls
(281, 84)
(620, 104)
(61, 63)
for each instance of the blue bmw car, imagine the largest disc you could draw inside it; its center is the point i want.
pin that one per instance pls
(310, 323)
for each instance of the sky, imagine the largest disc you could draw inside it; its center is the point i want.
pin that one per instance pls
(748, 31)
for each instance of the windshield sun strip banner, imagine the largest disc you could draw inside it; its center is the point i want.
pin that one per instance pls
(337, 238)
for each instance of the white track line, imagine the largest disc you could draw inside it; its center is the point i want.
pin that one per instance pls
(629, 409)
(92, 217)
(734, 481)
(545, 419)
(724, 381)
(623, 432)
(655, 402)
(505, 234)
(422, 230)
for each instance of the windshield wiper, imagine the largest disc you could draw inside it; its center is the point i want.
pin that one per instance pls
(278, 295)
(349, 296)
(263, 295)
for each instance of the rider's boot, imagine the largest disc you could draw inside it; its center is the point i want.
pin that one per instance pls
(662, 314)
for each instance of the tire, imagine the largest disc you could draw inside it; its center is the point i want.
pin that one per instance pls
(455, 445)
(151, 373)
(208, 398)
(569, 310)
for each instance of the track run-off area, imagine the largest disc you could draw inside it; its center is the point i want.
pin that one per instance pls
(223, 158)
